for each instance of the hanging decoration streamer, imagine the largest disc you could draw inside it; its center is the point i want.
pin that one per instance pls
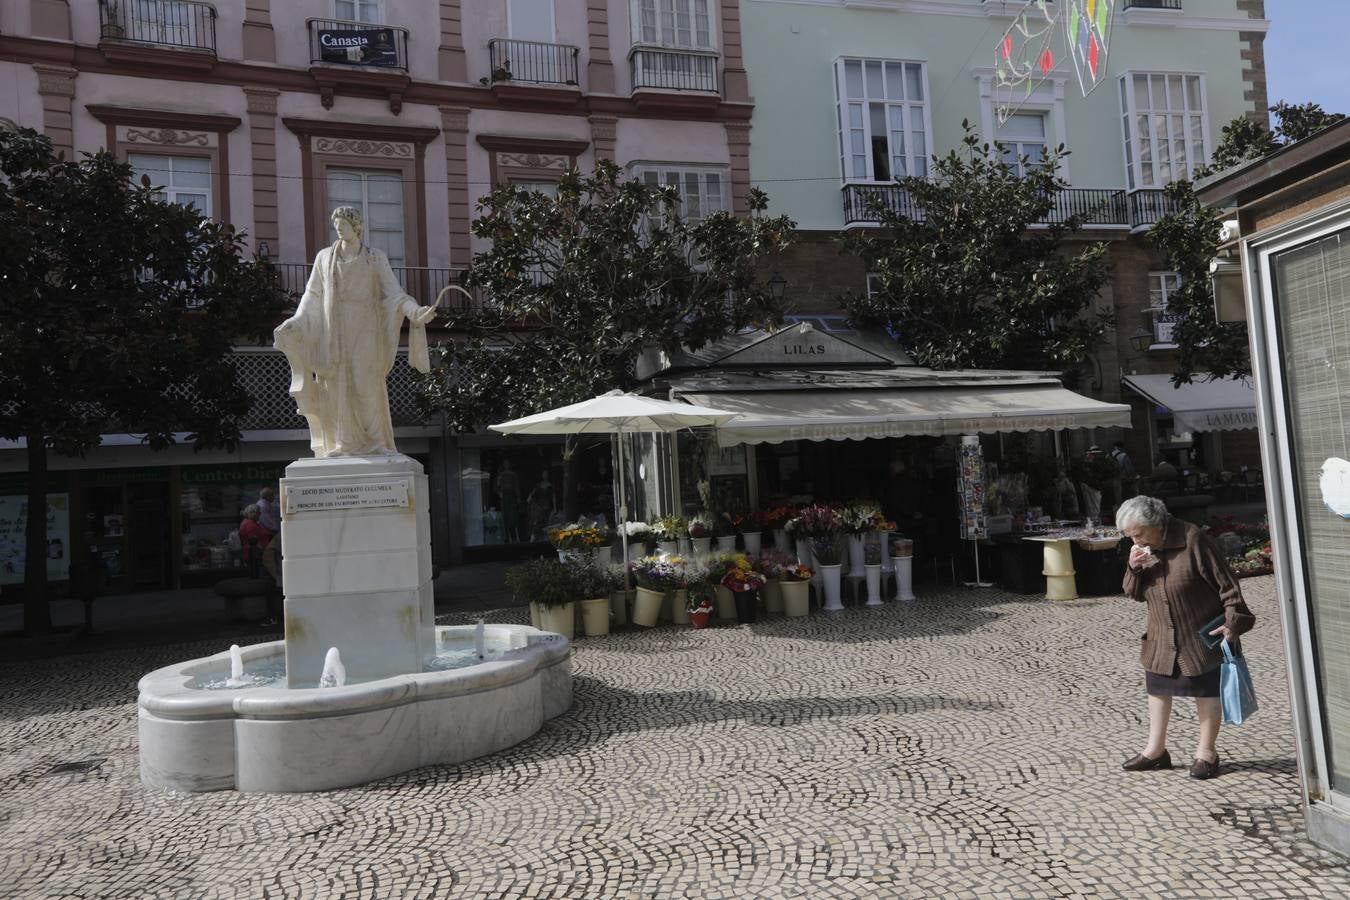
(1025, 56)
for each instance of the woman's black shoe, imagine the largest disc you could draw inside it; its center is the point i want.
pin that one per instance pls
(1203, 768)
(1141, 763)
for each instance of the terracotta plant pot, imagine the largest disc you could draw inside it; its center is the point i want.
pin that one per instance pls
(701, 617)
(796, 598)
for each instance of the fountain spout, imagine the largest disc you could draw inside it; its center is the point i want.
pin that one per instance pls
(334, 673)
(236, 667)
(478, 639)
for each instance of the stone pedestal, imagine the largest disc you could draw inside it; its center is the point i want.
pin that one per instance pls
(356, 539)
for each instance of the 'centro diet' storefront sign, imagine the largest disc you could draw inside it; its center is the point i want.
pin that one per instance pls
(362, 47)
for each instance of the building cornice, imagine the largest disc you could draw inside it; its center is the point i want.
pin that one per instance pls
(1161, 18)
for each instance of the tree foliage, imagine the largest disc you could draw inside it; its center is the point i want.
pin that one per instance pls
(1189, 239)
(117, 313)
(964, 281)
(579, 284)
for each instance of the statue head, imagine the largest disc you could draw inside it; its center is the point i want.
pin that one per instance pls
(347, 221)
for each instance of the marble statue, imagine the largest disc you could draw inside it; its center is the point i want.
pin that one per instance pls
(341, 344)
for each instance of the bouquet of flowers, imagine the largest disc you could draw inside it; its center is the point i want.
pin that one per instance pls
(769, 562)
(859, 518)
(794, 571)
(817, 521)
(578, 536)
(741, 576)
(720, 563)
(689, 572)
(635, 532)
(826, 551)
(658, 573)
(701, 525)
(776, 517)
(670, 528)
(700, 595)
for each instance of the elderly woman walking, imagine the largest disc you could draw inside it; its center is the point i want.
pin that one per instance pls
(1179, 572)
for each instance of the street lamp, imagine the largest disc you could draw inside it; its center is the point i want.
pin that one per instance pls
(1141, 339)
(264, 251)
(777, 284)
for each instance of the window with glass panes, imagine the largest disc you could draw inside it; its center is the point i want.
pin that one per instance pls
(177, 179)
(883, 119)
(357, 10)
(379, 196)
(702, 191)
(676, 23)
(1165, 126)
(1161, 287)
(162, 22)
(1022, 136)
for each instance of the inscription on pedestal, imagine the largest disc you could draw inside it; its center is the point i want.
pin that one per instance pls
(315, 498)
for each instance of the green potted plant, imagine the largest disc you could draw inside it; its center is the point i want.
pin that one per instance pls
(668, 530)
(687, 572)
(829, 560)
(592, 587)
(655, 575)
(619, 595)
(549, 587)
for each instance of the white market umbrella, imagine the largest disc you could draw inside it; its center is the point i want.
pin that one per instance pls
(617, 412)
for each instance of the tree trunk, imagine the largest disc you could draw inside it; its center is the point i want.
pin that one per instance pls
(37, 611)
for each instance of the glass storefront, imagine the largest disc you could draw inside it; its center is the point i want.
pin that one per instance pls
(211, 503)
(1312, 300)
(510, 495)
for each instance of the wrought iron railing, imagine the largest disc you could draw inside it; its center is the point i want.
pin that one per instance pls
(1093, 206)
(674, 70)
(532, 61)
(423, 283)
(1153, 4)
(167, 23)
(1148, 206)
(380, 47)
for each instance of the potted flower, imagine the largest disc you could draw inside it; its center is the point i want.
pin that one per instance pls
(550, 587)
(767, 564)
(855, 521)
(619, 595)
(699, 603)
(592, 586)
(872, 571)
(744, 582)
(688, 572)
(718, 566)
(902, 559)
(655, 575)
(637, 534)
(578, 539)
(794, 580)
(775, 519)
(701, 533)
(881, 533)
(817, 523)
(745, 525)
(828, 564)
(668, 530)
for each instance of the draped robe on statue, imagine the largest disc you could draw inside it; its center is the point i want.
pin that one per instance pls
(341, 344)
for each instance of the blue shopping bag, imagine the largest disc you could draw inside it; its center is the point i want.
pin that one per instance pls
(1235, 688)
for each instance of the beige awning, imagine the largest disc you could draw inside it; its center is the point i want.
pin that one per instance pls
(773, 417)
(1220, 404)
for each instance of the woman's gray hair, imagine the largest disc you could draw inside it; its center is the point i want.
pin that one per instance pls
(1142, 512)
(350, 214)
(252, 510)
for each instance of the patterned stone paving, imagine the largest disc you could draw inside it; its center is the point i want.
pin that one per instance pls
(966, 744)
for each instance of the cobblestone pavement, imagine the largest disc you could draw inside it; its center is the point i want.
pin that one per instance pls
(969, 743)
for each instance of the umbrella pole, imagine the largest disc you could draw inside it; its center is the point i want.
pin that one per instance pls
(623, 517)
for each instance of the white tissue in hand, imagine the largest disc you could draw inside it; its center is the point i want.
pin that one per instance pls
(1335, 484)
(1149, 559)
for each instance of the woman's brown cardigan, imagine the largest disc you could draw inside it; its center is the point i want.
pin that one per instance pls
(1191, 586)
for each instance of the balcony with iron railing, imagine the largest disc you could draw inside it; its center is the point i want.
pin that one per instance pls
(363, 45)
(532, 62)
(176, 25)
(1094, 207)
(674, 77)
(1153, 4)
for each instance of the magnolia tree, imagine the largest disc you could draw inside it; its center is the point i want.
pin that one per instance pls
(1189, 239)
(118, 312)
(576, 286)
(964, 281)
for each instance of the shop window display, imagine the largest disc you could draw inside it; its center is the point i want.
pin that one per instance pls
(510, 495)
(211, 504)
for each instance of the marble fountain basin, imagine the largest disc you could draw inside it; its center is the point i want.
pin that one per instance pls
(196, 735)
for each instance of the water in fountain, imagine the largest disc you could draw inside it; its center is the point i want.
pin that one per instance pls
(236, 668)
(478, 639)
(334, 673)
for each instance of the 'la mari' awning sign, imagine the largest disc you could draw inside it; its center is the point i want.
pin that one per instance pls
(1224, 404)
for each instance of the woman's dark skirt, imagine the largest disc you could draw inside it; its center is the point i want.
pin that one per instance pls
(1178, 685)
